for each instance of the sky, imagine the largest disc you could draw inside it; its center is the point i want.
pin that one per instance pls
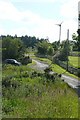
(39, 18)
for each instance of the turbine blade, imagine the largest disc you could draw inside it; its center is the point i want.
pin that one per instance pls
(61, 22)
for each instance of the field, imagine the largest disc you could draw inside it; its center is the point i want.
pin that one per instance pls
(31, 94)
(74, 61)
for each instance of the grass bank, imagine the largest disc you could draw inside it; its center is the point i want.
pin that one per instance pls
(55, 67)
(74, 61)
(29, 94)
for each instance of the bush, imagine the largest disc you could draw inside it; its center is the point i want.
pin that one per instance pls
(48, 69)
(26, 60)
(8, 82)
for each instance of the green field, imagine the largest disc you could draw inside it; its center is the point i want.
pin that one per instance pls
(74, 61)
(31, 94)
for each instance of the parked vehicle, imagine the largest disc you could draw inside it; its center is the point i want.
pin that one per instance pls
(12, 61)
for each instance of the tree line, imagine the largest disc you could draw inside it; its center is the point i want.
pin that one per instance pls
(15, 47)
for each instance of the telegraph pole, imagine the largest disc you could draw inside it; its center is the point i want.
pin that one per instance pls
(67, 47)
(79, 43)
(78, 18)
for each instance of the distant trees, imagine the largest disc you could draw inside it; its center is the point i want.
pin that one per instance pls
(29, 41)
(15, 47)
(63, 52)
(44, 48)
(12, 48)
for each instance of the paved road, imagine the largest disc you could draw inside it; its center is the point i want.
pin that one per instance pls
(74, 83)
(40, 65)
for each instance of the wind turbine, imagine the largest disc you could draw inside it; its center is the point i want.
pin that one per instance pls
(59, 31)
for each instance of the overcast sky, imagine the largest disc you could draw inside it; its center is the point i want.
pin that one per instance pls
(38, 18)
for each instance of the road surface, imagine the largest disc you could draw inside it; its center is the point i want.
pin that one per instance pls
(72, 82)
(40, 65)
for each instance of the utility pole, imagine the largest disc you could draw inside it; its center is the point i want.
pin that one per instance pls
(78, 20)
(67, 47)
(79, 16)
(59, 31)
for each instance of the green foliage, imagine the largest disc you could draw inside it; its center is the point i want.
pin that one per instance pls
(29, 41)
(55, 45)
(42, 47)
(74, 61)
(74, 37)
(37, 96)
(77, 43)
(64, 53)
(12, 48)
(28, 93)
(26, 60)
(45, 48)
(50, 50)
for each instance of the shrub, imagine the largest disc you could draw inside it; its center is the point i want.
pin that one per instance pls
(26, 60)
(10, 82)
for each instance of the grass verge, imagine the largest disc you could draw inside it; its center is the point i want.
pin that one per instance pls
(29, 94)
(74, 61)
(56, 68)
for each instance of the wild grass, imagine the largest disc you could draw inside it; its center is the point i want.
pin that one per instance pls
(30, 94)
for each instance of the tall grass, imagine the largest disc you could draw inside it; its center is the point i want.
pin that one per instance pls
(30, 94)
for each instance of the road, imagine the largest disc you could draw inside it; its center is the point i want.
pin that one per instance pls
(40, 65)
(72, 82)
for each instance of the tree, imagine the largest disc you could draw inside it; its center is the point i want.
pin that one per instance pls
(55, 45)
(29, 41)
(77, 41)
(74, 37)
(42, 47)
(50, 50)
(12, 48)
(63, 56)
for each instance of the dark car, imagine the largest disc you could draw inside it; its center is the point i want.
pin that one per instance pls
(12, 61)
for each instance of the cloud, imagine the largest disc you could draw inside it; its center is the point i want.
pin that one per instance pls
(70, 9)
(8, 11)
(29, 23)
(25, 22)
(69, 12)
(33, 1)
